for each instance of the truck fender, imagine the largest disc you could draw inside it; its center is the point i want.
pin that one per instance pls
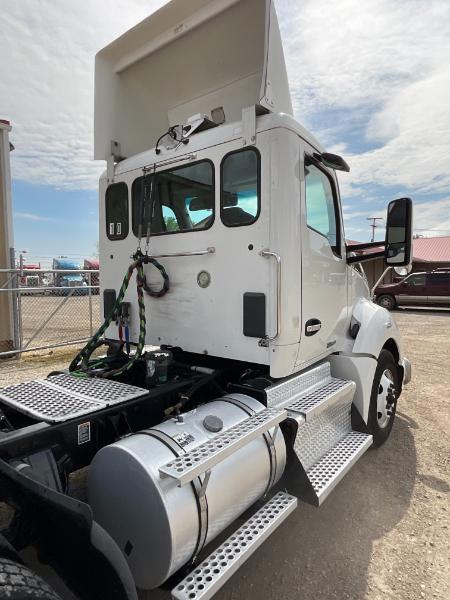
(361, 370)
(376, 330)
(103, 542)
(66, 535)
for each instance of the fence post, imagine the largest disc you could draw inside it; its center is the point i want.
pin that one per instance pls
(14, 284)
(91, 329)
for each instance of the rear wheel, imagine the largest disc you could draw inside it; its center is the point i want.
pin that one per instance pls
(17, 582)
(383, 400)
(387, 301)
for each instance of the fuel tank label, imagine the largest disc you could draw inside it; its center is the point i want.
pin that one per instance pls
(183, 439)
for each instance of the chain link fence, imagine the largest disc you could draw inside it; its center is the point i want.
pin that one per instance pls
(47, 308)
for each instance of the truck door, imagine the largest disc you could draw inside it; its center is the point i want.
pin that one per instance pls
(438, 288)
(413, 290)
(324, 269)
(214, 202)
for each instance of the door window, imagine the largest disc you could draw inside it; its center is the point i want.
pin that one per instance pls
(416, 280)
(321, 203)
(240, 194)
(116, 208)
(439, 279)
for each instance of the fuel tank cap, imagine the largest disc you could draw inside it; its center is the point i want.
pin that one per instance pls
(212, 423)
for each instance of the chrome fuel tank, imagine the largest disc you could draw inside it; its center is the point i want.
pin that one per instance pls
(157, 524)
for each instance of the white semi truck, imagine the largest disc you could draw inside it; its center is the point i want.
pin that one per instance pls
(246, 366)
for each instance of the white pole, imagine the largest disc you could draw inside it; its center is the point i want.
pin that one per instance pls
(6, 237)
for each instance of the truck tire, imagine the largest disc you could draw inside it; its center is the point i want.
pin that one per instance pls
(387, 301)
(17, 582)
(383, 399)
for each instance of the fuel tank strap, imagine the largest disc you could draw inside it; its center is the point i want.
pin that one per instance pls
(198, 486)
(267, 438)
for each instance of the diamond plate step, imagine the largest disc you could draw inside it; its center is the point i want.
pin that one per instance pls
(186, 467)
(102, 390)
(331, 468)
(292, 389)
(213, 572)
(65, 397)
(316, 401)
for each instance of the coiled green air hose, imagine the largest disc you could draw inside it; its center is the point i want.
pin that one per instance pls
(80, 364)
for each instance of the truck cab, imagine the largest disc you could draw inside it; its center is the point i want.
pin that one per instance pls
(246, 366)
(66, 276)
(245, 207)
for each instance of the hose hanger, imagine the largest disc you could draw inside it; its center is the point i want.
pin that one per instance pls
(147, 208)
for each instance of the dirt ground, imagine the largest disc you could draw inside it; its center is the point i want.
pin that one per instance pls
(384, 532)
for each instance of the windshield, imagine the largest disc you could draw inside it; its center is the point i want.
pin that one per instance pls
(182, 200)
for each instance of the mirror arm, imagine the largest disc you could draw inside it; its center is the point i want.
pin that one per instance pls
(364, 258)
(365, 245)
(379, 280)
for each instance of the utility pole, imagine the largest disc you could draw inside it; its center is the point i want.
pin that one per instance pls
(374, 225)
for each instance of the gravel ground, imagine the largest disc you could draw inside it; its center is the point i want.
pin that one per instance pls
(59, 311)
(384, 532)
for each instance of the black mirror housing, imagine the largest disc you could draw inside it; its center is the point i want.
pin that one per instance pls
(332, 161)
(398, 245)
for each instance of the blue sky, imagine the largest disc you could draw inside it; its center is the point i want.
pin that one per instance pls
(49, 221)
(367, 78)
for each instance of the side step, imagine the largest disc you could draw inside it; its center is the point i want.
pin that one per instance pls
(187, 467)
(332, 467)
(212, 573)
(325, 444)
(310, 393)
(313, 403)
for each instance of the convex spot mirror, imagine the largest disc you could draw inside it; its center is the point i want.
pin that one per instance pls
(399, 232)
(332, 161)
(403, 271)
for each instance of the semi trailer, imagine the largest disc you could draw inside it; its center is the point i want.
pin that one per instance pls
(255, 370)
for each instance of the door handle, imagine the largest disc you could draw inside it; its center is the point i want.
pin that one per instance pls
(312, 326)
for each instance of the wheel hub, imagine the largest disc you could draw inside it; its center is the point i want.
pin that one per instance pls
(385, 398)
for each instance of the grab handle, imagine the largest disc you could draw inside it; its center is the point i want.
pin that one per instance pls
(210, 250)
(265, 341)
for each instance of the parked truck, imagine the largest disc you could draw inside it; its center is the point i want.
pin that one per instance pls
(92, 279)
(66, 277)
(257, 370)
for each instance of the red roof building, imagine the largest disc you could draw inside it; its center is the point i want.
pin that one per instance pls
(432, 249)
(429, 253)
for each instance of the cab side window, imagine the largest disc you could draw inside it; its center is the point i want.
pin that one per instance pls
(240, 194)
(438, 279)
(321, 204)
(116, 208)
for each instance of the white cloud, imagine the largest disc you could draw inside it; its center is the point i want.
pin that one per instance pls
(384, 61)
(47, 88)
(385, 57)
(30, 217)
(432, 216)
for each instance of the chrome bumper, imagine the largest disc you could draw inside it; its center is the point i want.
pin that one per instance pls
(406, 370)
